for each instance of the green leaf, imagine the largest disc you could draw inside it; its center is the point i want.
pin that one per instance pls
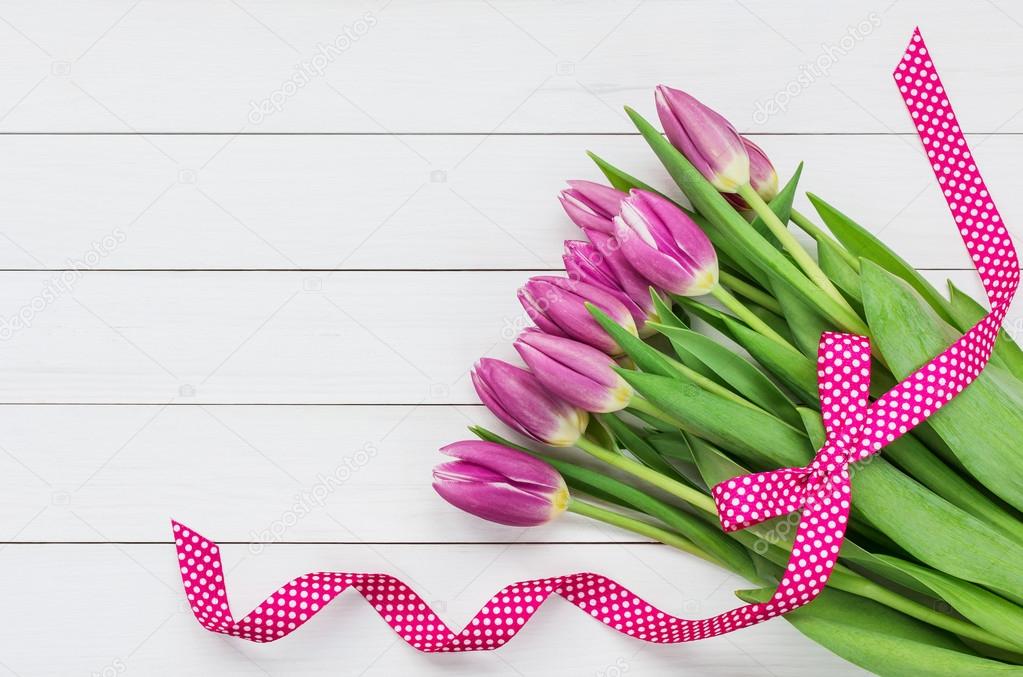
(933, 530)
(838, 270)
(966, 312)
(884, 641)
(781, 205)
(750, 433)
(924, 466)
(986, 609)
(676, 446)
(863, 244)
(617, 178)
(814, 426)
(644, 355)
(664, 312)
(597, 431)
(791, 367)
(723, 217)
(909, 334)
(742, 376)
(672, 445)
(805, 323)
(634, 443)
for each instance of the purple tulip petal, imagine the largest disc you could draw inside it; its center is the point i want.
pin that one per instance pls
(505, 462)
(516, 397)
(562, 304)
(576, 372)
(706, 138)
(762, 175)
(603, 200)
(497, 502)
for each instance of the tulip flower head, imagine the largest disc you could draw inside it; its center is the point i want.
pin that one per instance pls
(591, 205)
(666, 245)
(579, 374)
(706, 139)
(586, 262)
(518, 398)
(558, 306)
(500, 484)
(762, 176)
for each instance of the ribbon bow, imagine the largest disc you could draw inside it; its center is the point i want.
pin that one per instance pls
(821, 491)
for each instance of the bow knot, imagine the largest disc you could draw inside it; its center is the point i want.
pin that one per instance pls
(843, 381)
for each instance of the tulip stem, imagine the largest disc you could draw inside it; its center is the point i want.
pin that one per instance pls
(792, 246)
(818, 234)
(743, 288)
(639, 527)
(746, 315)
(640, 471)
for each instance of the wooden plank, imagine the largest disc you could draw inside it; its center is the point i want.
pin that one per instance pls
(113, 609)
(260, 474)
(260, 337)
(482, 67)
(368, 202)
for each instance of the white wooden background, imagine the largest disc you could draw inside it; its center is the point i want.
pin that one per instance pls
(267, 301)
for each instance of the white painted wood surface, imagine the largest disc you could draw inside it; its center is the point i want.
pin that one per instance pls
(269, 299)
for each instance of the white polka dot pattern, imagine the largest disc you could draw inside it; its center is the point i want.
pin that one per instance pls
(855, 429)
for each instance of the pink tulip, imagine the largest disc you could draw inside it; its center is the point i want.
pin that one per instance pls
(579, 374)
(591, 205)
(584, 262)
(706, 139)
(500, 484)
(558, 306)
(762, 176)
(517, 397)
(667, 246)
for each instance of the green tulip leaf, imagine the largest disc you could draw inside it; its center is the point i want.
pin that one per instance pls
(909, 334)
(618, 178)
(986, 609)
(629, 439)
(884, 641)
(739, 374)
(644, 355)
(753, 434)
(864, 244)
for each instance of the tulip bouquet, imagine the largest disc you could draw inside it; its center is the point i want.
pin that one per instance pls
(680, 351)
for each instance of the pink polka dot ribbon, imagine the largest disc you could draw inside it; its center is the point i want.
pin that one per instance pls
(855, 427)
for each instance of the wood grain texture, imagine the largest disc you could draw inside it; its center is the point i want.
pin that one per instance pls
(290, 297)
(263, 337)
(455, 65)
(421, 202)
